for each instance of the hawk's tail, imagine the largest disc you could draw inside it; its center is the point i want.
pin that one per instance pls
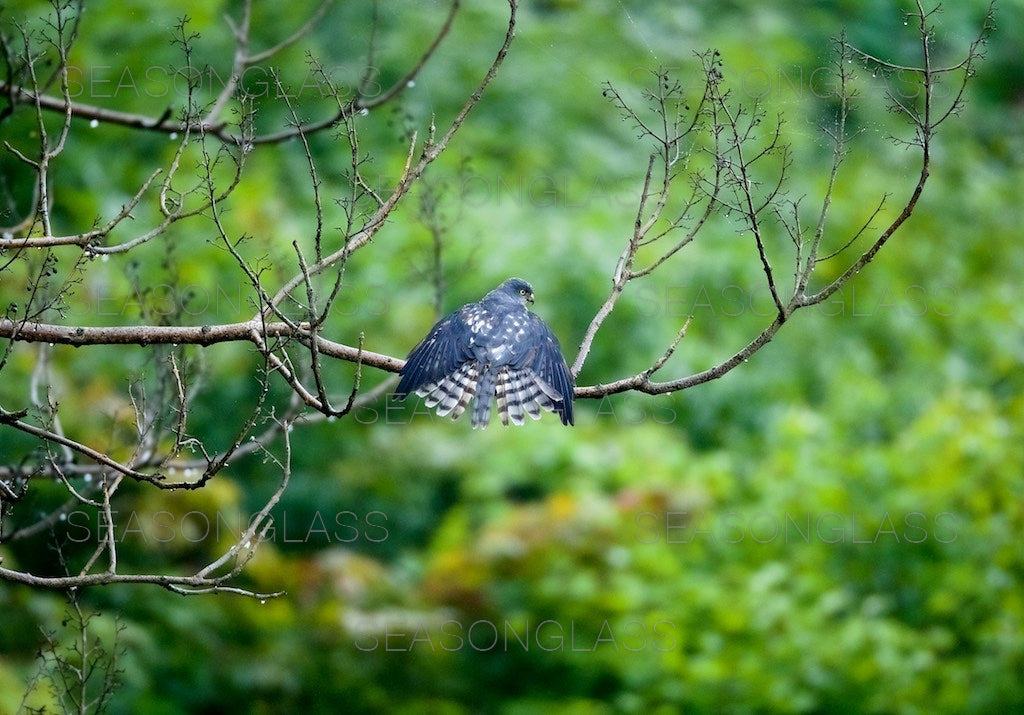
(482, 405)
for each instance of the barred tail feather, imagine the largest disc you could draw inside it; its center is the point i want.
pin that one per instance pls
(508, 404)
(485, 389)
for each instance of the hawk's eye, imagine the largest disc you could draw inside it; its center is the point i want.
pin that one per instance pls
(522, 291)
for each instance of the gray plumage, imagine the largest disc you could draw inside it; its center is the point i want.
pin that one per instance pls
(492, 350)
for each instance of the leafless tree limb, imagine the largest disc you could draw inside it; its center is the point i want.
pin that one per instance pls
(727, 122)
(161, 403)
(83, 673)
(212, 125)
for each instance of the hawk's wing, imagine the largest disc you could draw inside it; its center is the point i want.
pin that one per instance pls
(438, 355)
(541, 356)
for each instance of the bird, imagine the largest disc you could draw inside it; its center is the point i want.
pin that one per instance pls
(493, 349)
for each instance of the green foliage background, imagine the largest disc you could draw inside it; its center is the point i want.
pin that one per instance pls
(835, 526)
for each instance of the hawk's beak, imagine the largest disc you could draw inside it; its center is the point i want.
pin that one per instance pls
(529, 298)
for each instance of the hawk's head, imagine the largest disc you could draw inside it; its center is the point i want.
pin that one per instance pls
(516, 289)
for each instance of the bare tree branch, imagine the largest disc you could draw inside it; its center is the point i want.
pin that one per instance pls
(212, 125)
(187, 335)
(292, 351)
